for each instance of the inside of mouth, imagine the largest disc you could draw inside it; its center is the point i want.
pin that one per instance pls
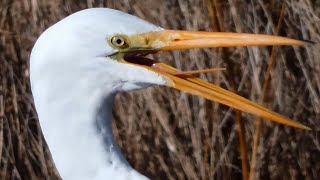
(139, 58)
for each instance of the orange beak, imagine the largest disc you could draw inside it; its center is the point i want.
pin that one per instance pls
(177, 40)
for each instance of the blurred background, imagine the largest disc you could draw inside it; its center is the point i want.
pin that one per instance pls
(166, 134)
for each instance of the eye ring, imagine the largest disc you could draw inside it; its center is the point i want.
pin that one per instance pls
(119, 41)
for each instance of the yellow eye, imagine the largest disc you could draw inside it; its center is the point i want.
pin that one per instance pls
(119, 41)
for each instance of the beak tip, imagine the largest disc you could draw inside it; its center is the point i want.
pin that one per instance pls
(301, 126)
(307, 128)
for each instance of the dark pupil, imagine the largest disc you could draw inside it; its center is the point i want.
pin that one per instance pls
(119, 41)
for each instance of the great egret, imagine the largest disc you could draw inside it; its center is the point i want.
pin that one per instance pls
(80, 63)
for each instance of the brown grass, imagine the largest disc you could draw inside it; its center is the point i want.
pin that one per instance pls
(166, 134)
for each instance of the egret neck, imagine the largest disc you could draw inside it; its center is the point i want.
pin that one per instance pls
(75, 108)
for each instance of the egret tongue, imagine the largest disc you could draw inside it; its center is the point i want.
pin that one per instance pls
(194, 72)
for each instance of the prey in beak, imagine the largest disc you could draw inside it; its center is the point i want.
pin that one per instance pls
(133, 50)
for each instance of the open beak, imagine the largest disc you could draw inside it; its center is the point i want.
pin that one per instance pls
(177, 40)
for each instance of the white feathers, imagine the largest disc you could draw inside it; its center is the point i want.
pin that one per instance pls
(73, 84)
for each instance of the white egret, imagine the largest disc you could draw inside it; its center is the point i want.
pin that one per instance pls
(80, 63)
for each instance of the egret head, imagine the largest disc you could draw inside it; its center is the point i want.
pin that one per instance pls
(104, 50)
(78, 64)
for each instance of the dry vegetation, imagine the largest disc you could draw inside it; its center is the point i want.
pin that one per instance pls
(166, 134)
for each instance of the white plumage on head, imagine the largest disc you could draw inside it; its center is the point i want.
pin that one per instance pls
(73, 84)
